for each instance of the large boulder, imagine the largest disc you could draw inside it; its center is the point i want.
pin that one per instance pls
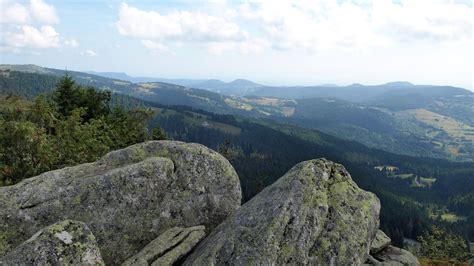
(315, 214)
(127, 198)
(169, 247)
(66, 243)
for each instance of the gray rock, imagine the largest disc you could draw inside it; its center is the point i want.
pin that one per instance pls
(380, 242)
(67, 243)
(169, 247)
(396, 256)
(127, 198)
(372, 261)
(314, 214)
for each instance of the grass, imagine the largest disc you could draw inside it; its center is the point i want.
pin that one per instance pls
(433, 262)
(429, 181)
(452, 218)
(237, 104)
(451, 126)
(149, 85)
(389, 168)
(422, 182)
(404, 176)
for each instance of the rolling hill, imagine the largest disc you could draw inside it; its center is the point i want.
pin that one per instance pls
(428, 121)
(413, 190)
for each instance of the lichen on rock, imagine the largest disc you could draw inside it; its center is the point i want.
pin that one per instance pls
(380, 242)
(169, 247)
(127, 198)
(396, 256)
(67, 242)
(315, 214)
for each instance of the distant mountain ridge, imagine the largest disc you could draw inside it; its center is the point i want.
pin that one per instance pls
(126, 77)
(399, 117)
(358, 92)
(238, 86)
(263, 149)
(355, 92)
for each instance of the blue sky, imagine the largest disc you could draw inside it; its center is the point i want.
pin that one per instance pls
(274, 42)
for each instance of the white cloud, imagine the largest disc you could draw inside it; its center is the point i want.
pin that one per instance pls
(11, 12)
(154, 46)
(428, 20)
(328, 24)
(251, 46)
(28, 26)
(71, 43)
(42, 12)
(157, 31)
(89, 52)
(309, 25)
(31, 37)
(37, 11)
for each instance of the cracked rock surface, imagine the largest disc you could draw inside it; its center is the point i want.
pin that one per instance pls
(67, 242)
(127, 198)
(314, 214)
(395, 256)
(169, 247)
(380, 242)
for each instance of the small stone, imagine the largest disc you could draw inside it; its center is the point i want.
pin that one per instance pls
(380, 242)
(396, 256)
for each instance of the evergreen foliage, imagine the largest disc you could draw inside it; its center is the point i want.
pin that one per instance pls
(437, 243)
(75, 125)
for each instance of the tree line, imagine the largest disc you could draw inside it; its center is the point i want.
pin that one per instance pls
(71, 125)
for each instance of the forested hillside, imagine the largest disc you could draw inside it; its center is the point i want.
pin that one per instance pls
(415, 191)
(426, 121)
(262, 150)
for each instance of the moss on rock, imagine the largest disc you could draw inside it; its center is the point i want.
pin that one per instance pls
(139, 192)
(66, 242)
(314, 214)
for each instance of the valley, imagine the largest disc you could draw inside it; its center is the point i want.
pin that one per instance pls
(289, 132)
(387, 151)
(428, 127)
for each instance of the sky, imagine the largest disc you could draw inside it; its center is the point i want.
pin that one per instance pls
(284, 42)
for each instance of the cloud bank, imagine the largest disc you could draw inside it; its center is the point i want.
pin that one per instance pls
(309, 25)
(28, 25)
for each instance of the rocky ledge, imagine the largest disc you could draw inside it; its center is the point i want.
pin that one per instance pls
(166, 202)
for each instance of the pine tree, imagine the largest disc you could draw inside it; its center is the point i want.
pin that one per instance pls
(65, 94)
(158, 133)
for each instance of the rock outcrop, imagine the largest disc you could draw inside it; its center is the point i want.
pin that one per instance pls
(315, 214)
(382, 253)
(169, 247)
(153, 203)
(395, 256)
(380, 242)
(67, 242)
(127, 198)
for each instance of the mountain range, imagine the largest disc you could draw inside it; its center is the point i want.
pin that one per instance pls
(416, 156)
(399, 117)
